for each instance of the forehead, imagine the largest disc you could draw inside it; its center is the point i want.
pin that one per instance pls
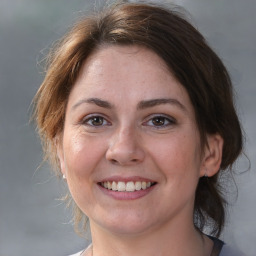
(127, 73)
(119, 62)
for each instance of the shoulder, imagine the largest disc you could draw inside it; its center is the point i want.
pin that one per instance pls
(84, 252)
(222, 249)
(228, 251)
(77, 254)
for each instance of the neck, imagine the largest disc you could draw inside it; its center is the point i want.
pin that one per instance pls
(170, 240)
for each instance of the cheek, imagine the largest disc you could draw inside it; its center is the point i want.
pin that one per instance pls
(82, 154)
(179, 161)
(178, 154)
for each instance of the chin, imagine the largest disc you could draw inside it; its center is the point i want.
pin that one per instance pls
(126, 224)
(128, 229)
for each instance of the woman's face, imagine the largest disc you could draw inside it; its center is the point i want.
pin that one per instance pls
(131, 148)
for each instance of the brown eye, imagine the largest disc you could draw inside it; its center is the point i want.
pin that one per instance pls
(159, 121)
(95, 121)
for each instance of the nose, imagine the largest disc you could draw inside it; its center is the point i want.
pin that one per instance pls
(125, 148)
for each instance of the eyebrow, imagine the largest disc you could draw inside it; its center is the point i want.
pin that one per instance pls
(141, 105)
(96, 101)
(154, 102)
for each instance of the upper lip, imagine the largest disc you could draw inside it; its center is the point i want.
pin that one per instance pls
(126, 179)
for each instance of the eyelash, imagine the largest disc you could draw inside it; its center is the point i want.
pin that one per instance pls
(170, 121)
(89, 119)
(149, 122)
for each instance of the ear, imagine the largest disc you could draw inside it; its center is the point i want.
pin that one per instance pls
(60, 154)
(212, 155)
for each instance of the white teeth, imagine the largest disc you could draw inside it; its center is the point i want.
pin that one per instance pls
(114, 186)
(143, 184)
(130, 186)
(121, 186)
(138, 185)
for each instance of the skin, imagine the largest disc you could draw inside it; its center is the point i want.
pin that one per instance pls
(128, 138)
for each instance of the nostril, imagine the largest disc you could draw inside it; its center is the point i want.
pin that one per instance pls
(124, 155)
(113, 161)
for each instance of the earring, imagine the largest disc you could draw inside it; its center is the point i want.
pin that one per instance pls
(205, 174)
(63, 176)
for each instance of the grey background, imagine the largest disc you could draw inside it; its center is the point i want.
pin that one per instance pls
(32, 221)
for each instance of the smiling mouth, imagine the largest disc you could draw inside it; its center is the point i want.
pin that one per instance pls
(129, 186)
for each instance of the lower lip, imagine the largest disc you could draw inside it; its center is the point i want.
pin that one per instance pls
(126, 195)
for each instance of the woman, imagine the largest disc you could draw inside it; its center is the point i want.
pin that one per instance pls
(136, 113)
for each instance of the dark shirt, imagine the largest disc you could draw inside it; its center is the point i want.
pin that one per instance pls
(221, 249)
(217, 246)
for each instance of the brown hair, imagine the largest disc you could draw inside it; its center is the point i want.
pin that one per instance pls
(189, 58)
